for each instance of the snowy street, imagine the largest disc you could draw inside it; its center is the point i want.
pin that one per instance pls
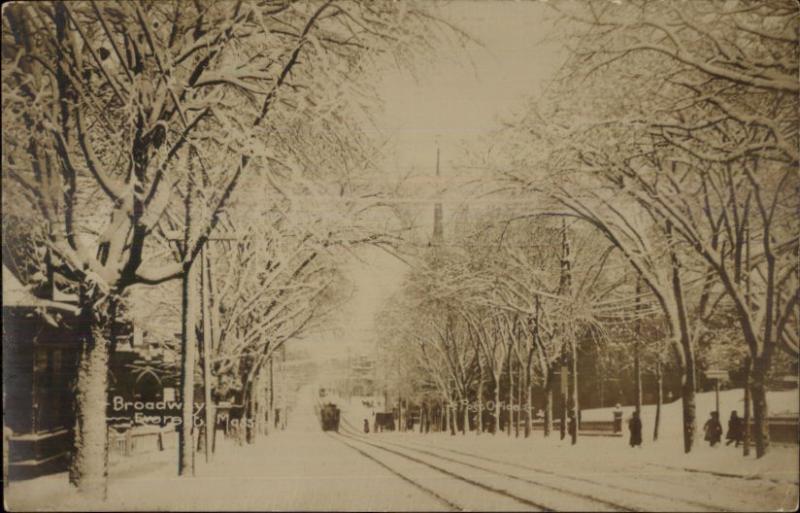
(553, 476)
(401, 255)
(304, 468)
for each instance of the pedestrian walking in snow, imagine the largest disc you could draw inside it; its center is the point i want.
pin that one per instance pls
(571, 425)
(635, 427)
(366, 426)
(713, 429)
(735, 429)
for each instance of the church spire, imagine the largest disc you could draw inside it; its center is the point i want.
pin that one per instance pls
(438, 232)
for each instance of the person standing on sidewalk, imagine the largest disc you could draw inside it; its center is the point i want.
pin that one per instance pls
(735, 429)
(713, 429)
(635, 427)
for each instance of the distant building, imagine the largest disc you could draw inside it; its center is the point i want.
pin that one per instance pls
(362, 376)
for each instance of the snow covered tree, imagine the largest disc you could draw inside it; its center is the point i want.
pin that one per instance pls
(115, 112)
(714, 157)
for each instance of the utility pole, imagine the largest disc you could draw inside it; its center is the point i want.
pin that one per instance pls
(208, 350)
(196, 274)
(564, 392)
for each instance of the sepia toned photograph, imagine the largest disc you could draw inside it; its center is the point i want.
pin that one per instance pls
(401, 255)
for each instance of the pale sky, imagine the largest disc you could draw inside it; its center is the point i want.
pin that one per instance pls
(453, 104)
(458, 101)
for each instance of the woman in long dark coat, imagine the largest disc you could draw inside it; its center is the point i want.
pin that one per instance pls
(713, 429)
(735, 429)
(635, 426)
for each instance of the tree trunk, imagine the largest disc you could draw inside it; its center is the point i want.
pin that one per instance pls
(575, 404)
(602, 381)
(548, 403)
(528, 401)
(251, 411)
(519, 403)
(428, 414)
(89, 465)
(191, 293)
(452, 420)
(689, 408)
(563, 393)
(746, 440)
(271, 398)
(188, 350)
(465, 405)
(479, 402)
(758, 392)
(688, 363)
(637, 364)
(400, 425)
(510, 406)
(637, 378)
(497, 405)
(261, 397)
(659, 399)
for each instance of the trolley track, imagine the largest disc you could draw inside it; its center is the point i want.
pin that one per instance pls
(416, 484)
(450, 505)
(588, 500)
(615, 506)
(666, 502)
(671, 498)
(453, 475)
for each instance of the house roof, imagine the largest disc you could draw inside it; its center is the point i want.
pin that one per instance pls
(15, 294)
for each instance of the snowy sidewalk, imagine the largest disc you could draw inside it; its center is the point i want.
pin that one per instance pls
(779, 465)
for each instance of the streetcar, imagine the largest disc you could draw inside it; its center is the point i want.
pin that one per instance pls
(329, 415)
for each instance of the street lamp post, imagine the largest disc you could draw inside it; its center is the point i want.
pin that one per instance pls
(717, 375)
